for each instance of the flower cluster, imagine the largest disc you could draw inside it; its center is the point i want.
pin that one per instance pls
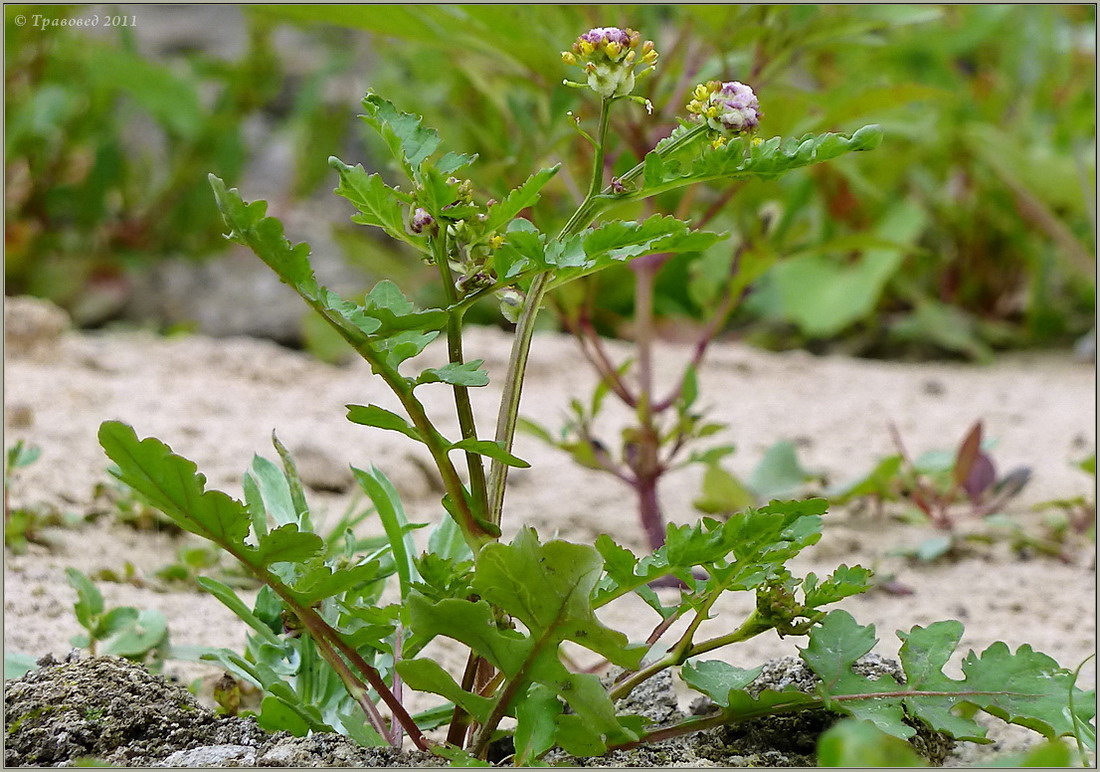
(729, 108)
(609, 56)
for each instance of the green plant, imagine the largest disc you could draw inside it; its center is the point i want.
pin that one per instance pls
(513, 605)
(123, 631)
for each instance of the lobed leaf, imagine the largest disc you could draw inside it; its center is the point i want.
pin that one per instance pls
(508, 208)
(410, 142)
(457, 374)
(379, 205)
(740, 159)
(174, 486)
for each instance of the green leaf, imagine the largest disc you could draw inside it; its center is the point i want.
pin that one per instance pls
(285, 544)
(779, 473)
(722, 492)
(844, 582)
(527, 194)
(536, 724)
(741, 159)
(457, 374)
(409, 141)
(274, 490)
(17, 665)
(379, 205)
(860, 744)
(1026, 687)
(823, 296)
(321, 581)
(144, 633)
(616, 242)
(230, 600)
(452, 162)
(717, 679)
(174, 486)
(89, 601)
(388, 505)
(380, 418)
(548, 587)
(491, 449)
(426, 675)
(877, 482)
(294, 482)
(277, 716)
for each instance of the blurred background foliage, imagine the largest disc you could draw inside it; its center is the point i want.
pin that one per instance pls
(972, 230)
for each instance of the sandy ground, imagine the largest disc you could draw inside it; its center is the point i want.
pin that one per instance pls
(217, 402)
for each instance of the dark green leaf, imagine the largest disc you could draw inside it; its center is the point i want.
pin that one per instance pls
(173, 485)
(410, 142)
(428, 676)
(527, 194)
(380, 418)
(491, 449)
(457, 374)
(379, 205)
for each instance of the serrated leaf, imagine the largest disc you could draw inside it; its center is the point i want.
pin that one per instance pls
(618, 241)
(548, 586)
(285, 544)
(508, 208)
(844, 582)
(1026, 687)
(410, 142)
(457, 374)
(380, 418)
(174, 486)
(451, 162)
(320, 581)
(741, 159)
(379, 205)
(717, 679)
(491, 449)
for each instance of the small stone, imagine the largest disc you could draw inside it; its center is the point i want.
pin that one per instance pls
(32, 326)
(212, 756)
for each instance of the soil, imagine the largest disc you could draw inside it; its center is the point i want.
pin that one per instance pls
(217, 402)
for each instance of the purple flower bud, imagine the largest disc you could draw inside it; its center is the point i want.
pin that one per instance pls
(729, 108)
(599, 35)
(421, 220)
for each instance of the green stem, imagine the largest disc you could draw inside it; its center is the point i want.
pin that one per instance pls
(685, 650)
(525, 329)
(473, 531)
(462, 394)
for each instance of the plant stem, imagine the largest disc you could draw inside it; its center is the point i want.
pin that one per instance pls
(472, 529)
(525, 329)
(685, 650)
(462, 394)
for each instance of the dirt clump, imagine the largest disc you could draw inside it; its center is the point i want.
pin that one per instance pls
(110, 709)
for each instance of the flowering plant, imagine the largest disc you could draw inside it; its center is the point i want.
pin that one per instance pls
(513, 605)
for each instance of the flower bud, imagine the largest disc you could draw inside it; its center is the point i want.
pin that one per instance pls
(608, 56)
(728, 109)
(421, 220)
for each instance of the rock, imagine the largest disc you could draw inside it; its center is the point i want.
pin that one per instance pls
(212, 756)
(32, 326)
